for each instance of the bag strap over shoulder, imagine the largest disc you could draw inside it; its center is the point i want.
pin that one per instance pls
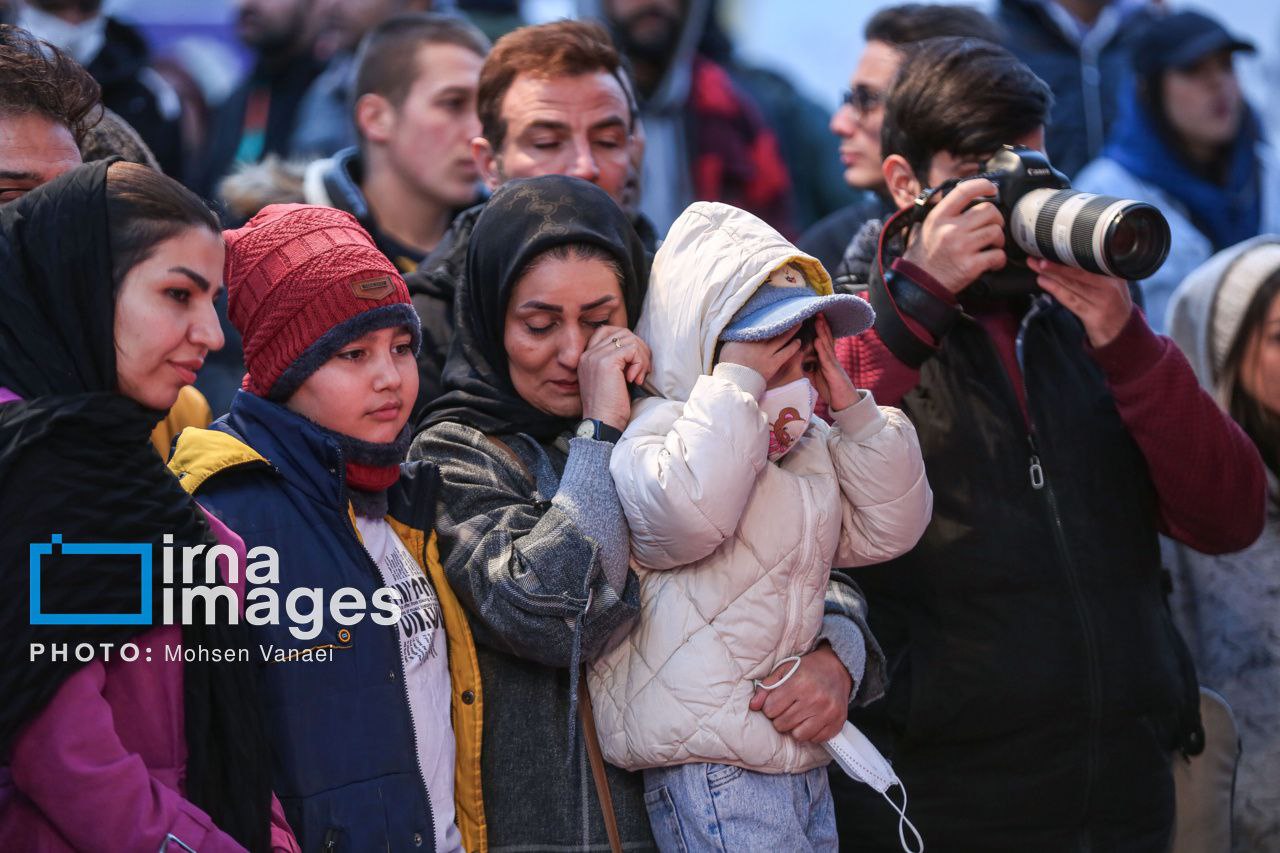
(594, 754)
(585, 715)
(514, 457)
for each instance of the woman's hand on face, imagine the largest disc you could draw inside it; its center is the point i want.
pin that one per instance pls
(614, 357)
(764, 357)
(828, 374)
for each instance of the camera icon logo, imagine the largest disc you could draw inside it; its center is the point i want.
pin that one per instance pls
(55, 545)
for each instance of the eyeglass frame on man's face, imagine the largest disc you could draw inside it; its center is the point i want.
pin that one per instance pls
(862, 99)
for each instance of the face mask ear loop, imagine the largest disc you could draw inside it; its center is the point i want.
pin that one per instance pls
(795, 667)
(904, 822)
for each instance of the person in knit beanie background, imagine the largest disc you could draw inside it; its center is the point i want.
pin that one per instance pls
(1225, 316)
(369, 708)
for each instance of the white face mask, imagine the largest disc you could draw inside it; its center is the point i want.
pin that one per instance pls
(789, 408)
(83, 41)
(859, 758)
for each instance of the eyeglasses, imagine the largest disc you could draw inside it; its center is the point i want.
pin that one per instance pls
(862, 99)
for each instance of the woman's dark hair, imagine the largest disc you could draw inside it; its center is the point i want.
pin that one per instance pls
(1261, 424)
(964, 96)
(578, 252)
(145, 208)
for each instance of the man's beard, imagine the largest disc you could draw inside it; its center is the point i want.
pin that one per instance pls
(278, 41)
(657, 44)
(54, 7)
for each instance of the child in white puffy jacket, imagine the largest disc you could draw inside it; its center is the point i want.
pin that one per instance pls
(740, 501)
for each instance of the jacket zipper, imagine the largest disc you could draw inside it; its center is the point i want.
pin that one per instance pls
(806, 555)
(1091, 48)
(1040, 483)
(1091, 84)
(404, 681)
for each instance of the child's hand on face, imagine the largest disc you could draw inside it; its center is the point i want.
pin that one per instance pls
(825, 370)
(764, 357)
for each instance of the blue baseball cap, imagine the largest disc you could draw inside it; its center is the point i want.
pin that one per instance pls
(774, 308)
(1180, 40)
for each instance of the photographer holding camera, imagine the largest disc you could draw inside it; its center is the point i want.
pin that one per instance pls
(1039, 690)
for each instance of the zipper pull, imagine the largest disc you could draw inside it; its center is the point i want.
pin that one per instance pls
(1037, 473)
(1036, 470)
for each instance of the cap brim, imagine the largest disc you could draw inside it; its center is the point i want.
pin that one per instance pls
(847, 314)
(1193, 51)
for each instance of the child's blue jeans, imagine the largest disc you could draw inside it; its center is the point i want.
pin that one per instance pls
(718, 807)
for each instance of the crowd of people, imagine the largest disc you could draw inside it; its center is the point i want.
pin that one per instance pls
(620, 429)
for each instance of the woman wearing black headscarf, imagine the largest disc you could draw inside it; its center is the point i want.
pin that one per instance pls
(531, 530)
(107, 278)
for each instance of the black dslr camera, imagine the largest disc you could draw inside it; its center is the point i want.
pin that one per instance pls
(1045, 218)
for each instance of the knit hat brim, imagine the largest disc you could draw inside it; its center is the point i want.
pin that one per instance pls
(1235, 292)
(328, 344)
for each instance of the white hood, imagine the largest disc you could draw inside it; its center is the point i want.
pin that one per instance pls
(713, 259)
(1206, 310)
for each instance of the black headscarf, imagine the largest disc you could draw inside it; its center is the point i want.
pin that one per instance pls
(76, 460)
(523, 219)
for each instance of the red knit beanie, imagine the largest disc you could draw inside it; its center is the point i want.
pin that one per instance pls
(303, 282)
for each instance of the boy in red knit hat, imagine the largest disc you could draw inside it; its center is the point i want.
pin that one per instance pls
(373, 698)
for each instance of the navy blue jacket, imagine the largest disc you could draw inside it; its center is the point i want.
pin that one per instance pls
(345, 758)
(1087, 75)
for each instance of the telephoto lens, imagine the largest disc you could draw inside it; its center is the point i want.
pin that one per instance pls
(1099, 233)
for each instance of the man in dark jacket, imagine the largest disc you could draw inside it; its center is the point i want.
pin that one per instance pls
(857, 121)
(116, 55)
(324, 126)
(258, 117)
(552, 101)
(1038, 688)
(1082, 49)
(415, 115)
(705, 137)
(798, 122)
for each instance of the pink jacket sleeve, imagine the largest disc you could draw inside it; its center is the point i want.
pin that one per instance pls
(70, 763)
(282, 840)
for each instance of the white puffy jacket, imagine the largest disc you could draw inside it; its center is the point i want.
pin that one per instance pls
(734, 552)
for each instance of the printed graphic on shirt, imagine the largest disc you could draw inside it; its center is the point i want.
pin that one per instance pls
(419, 606)
(424, 648)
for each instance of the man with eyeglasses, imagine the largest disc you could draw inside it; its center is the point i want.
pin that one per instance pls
(857, 120)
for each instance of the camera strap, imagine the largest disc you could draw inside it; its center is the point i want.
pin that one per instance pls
(894, 299)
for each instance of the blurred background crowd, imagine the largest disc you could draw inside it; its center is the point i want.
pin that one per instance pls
(183, 72)
(250, 102)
